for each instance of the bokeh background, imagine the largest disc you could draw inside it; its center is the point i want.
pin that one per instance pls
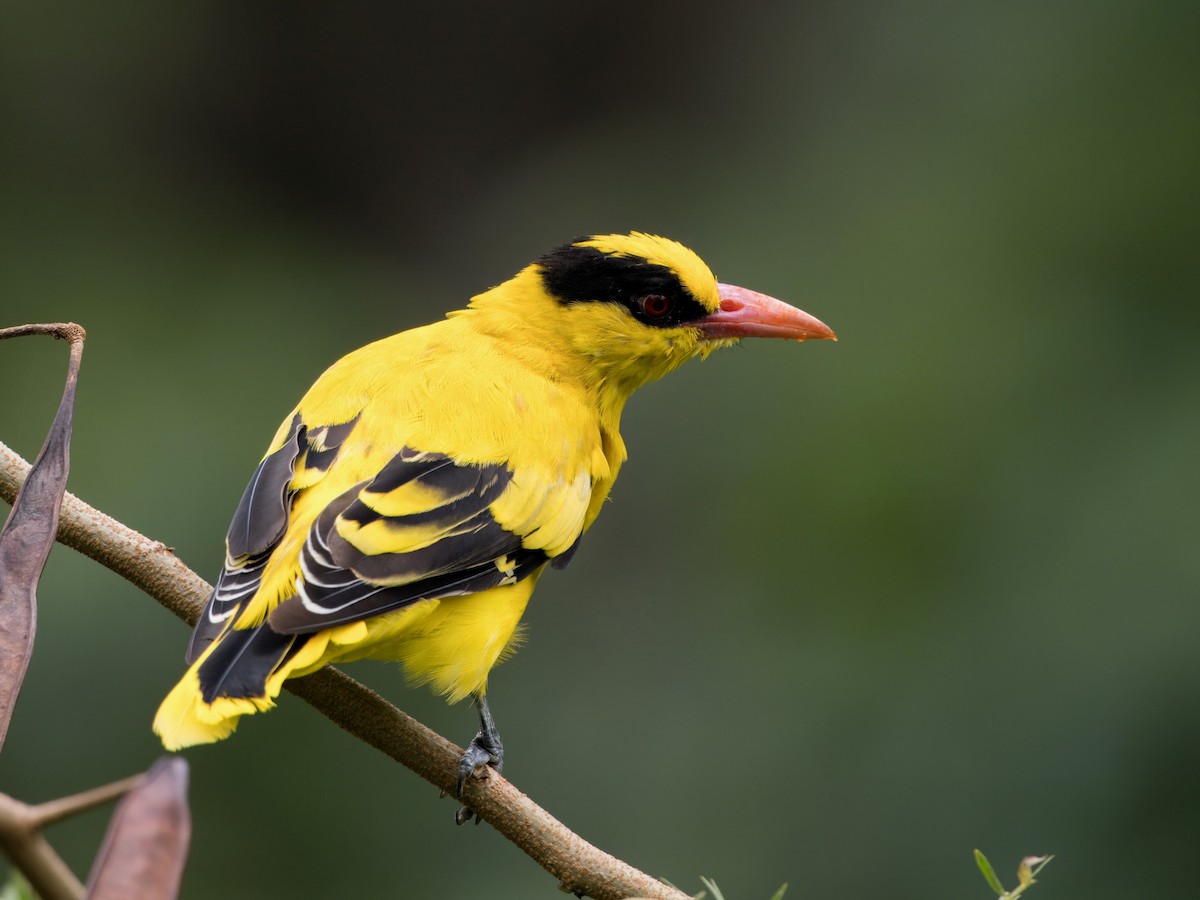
(854, 610)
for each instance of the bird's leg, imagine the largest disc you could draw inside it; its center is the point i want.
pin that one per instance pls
(485, 749)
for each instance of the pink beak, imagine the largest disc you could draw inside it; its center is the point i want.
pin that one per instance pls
(746, 313)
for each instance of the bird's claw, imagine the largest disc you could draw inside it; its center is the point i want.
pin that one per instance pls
(477, 754)
(484, 750)
(463, 815)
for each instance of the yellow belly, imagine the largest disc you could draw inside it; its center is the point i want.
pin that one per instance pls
(450, 644)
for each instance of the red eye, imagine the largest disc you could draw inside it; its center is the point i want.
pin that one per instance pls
(655, 305)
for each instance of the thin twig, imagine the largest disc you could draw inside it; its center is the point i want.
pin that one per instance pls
(45, 814)
(66, 331)
(580, 867)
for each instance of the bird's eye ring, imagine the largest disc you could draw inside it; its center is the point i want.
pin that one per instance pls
(655, 305)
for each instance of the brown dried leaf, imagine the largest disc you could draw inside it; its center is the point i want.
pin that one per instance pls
(146, 846)
(28, 535)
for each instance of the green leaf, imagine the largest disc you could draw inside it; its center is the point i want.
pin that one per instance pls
(712, 888)
(17, 888)
(989, 873)
(778, 895)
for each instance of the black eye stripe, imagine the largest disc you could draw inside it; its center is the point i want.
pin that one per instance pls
(584, 275)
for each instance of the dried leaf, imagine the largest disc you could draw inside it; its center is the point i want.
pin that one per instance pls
(28, 535)
(146, 846)
(1029, 868)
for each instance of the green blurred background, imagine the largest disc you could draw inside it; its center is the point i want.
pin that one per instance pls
(854, 610)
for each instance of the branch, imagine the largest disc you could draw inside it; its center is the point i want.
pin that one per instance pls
(45, 814)
(22, 840)
(580, 867)
(143, 853)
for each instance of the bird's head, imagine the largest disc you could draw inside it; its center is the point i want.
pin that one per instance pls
(633, 307)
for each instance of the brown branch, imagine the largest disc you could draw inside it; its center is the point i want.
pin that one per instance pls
(21, 837)
(46, 814)
(146, 844)
(580, 867)
(29, 851)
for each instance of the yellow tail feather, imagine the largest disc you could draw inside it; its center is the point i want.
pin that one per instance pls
(184, 719)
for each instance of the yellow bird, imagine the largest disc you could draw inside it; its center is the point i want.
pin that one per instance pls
(408, 505)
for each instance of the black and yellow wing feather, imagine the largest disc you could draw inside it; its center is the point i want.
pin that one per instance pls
(423, 526)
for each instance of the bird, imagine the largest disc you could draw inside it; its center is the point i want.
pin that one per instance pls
(409, 504)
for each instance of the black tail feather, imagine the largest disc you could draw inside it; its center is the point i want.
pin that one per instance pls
(242, 662)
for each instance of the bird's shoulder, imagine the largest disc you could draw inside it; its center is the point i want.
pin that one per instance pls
(445, 388)
(528, 447)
